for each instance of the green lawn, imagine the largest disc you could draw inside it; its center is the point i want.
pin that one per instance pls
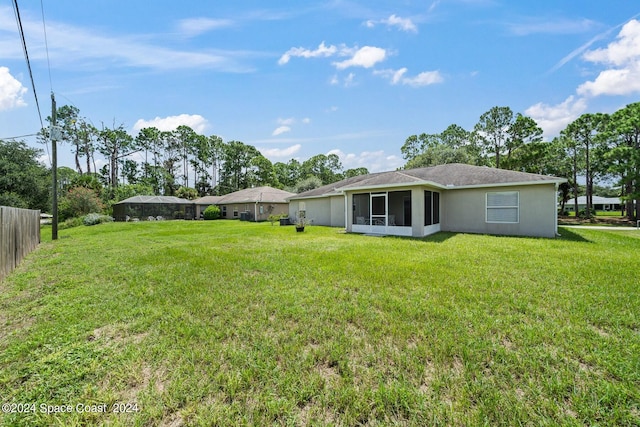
(234, 323)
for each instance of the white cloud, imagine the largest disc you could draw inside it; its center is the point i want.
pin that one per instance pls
(623, 51)
(404, 24)
(194, 121)
(277, 153)
(77, 47)
(280, 130)
(195, 26)
(285, 125)
(554, 118)
(425, 78)
(551, 26)
(374, 161)
(11, 91)
(366, 57)
(321, 51)
(286, 122)
(348, 81)
(623, 58)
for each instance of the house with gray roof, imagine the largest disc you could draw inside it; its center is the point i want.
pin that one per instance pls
(145, 207)
(254, 204)
(599, 203)
(423, 201)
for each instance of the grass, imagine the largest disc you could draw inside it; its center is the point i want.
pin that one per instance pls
(233, 323)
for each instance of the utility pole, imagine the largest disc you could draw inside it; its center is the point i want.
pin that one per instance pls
(54, 134)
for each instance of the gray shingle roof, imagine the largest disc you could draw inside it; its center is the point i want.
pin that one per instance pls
(155, 199)
(257, 194)
(448, 176)
(208, 200)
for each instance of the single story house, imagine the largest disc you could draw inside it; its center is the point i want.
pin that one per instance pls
(204, 202)
(252, 204)
(144, 207)
(423, 201)
(599, 203)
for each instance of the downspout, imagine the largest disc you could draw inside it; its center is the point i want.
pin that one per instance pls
(555, 206)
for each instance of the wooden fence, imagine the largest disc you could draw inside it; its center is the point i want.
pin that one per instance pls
(19, 235)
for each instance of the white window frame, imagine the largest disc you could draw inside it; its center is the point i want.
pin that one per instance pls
(509, 207)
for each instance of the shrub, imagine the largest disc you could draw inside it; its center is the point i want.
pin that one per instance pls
(79, 201)
(70, 223)
(212, 212)
(275, 218)
(95, 218)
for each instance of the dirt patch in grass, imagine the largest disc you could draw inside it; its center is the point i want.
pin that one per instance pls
(116, 335)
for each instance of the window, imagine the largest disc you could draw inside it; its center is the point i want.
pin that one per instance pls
(224, 211)
(235, 211)
(503, 206)
(431, 207)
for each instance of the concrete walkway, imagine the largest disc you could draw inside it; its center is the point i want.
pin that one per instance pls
(599, 227)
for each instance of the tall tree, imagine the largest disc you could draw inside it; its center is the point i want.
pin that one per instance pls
(115, 144)
(237, 162)
(326, 167)
(186, 138)
(623, 158)
(493, 130)
(523, 132)
(67, 119)
(584, 131)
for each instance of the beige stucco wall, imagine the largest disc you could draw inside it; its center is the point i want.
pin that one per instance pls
(276, 209)
(465, 211)
(327, 211)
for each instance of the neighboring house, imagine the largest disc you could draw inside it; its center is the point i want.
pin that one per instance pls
(204, 202)
(143, 207)
(599, 203)
(419, 202)
(254, 204)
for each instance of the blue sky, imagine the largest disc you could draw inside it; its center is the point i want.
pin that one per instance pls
(296, 79)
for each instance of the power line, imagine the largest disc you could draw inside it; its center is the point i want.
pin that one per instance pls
(46, 44)
(20, 136)
(16, 11)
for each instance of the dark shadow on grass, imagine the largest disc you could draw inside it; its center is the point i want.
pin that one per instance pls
(439, 237)
(571, 236)
(443, 236)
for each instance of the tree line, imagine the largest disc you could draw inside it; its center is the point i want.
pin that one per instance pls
(115, 165)
(594, 147)
(166, 161)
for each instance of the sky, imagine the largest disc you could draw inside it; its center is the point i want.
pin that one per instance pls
(295, 79)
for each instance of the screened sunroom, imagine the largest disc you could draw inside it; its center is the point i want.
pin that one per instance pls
(145, 208)
(394, 212)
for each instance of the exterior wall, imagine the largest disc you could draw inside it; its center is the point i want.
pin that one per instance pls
(253, 209)
(317, 211)
(465, 211)
(337, 211)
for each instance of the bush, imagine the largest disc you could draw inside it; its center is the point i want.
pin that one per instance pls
(70, 223)
(275, 218)
(95, 218)
(78, 202)
(212, 212)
